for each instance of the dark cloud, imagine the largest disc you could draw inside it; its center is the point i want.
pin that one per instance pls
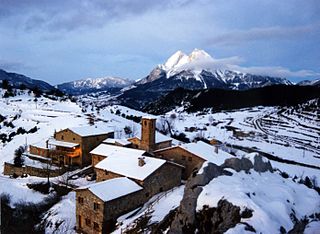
(73, 14)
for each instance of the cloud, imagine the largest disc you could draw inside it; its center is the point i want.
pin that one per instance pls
(12, 65)
(73, 14)
(234, 64)
(275, 71)
(266, 33)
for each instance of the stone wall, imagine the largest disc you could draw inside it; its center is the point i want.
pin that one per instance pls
(164, 144)
(96, 159)
(38, 151)
(103, 175)
(85, 210)
(10, 169)
(107, 212)
(165, 178)
(182, 157)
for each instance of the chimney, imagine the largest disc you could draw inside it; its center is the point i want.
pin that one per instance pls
(216, 149)
(141, 161)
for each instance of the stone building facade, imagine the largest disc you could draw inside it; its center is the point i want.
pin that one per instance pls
(96, 213)
(71, 146)
(190, 161)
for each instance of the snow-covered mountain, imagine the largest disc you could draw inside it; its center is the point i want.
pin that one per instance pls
(17, 80)
(198, 71)
(89, 85)
(309, 82)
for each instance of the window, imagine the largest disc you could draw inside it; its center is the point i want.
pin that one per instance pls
(106, 172)
(161, 190)
(183, 157)
(74, 139)
(95, 226)
(88, 222)
(147, 194)
(96, 206)
(190, 159)
(145, 123)
(62, 137)
(80, 221)
(80, 200)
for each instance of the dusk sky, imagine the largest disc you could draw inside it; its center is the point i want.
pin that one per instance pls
(59, 41)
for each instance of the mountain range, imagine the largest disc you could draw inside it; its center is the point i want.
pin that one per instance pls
(90, 85)
(195, 71)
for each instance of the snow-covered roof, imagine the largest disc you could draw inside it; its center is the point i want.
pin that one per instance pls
(206, 151)
(114, 188)
(55, 142)
(148, 117)
(124, 161)
(113, 150)
(40, 144)
(91, 130)
(119, 141)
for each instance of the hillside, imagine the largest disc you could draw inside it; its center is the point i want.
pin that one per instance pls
(219, 99)
(17, 81)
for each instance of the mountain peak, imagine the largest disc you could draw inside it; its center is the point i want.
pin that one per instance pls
(177, 59)
(180, 59)
(197, 54)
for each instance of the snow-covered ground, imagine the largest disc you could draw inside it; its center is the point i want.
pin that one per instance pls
(289, 136)
(61, 218)
(260, 128)
(156, 208)
(271, 198)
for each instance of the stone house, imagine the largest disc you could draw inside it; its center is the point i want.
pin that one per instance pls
(129, 177)
(153, 174)
(99, 204)
(71, 146)
(192, 156)
(150, 139)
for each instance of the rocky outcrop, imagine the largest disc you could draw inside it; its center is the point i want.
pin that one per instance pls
(238, 164)
(215, 219)
(218, 219)
(185, 218)
(259, 165)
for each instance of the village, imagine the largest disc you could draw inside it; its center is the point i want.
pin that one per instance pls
(126, 172)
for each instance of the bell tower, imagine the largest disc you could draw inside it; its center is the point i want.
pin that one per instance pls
(148, 134)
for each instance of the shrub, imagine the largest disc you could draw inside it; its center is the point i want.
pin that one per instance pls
(181, 137)
(42, 187)
(33, 130)
(18, 159)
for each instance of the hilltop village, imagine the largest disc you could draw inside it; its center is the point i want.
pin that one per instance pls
(127, 172)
